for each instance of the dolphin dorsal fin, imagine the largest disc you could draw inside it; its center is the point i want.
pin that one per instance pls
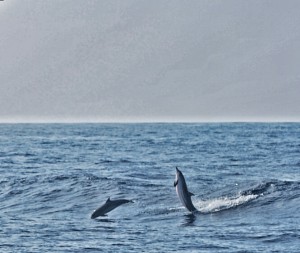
(191, 194)
(108, 200)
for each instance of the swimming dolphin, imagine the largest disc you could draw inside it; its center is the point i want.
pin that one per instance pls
(182, 191)
(108, 206)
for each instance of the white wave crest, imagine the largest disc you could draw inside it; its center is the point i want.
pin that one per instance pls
(223, 203)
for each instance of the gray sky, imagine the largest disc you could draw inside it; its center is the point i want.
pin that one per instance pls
(141, 60)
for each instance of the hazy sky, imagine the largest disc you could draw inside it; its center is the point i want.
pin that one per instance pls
(142, 60)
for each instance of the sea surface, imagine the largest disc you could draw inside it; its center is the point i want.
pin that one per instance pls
(245, 177)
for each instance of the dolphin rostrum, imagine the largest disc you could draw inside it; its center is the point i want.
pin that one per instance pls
(182, 191)
(108, 206)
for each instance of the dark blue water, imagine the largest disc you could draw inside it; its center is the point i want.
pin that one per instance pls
(245, 177)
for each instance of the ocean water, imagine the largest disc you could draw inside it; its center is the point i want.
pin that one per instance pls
(245, 177)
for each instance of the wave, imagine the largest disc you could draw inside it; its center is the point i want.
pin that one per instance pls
(51, 193)
(265, 193)
(262, 188)
(222, 203)
(205, 206)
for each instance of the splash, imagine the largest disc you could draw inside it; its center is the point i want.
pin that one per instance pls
(223, 203)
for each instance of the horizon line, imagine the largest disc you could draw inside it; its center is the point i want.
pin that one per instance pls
(137, 121)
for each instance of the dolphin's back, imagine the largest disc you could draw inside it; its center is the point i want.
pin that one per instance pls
(108, 206)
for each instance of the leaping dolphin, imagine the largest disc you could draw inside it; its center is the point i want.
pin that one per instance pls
(182, 191)
(108, 206)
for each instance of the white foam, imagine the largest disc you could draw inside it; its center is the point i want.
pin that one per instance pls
(215, 205)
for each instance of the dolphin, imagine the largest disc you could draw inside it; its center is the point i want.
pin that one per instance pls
(108, 206)
(182, 191)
